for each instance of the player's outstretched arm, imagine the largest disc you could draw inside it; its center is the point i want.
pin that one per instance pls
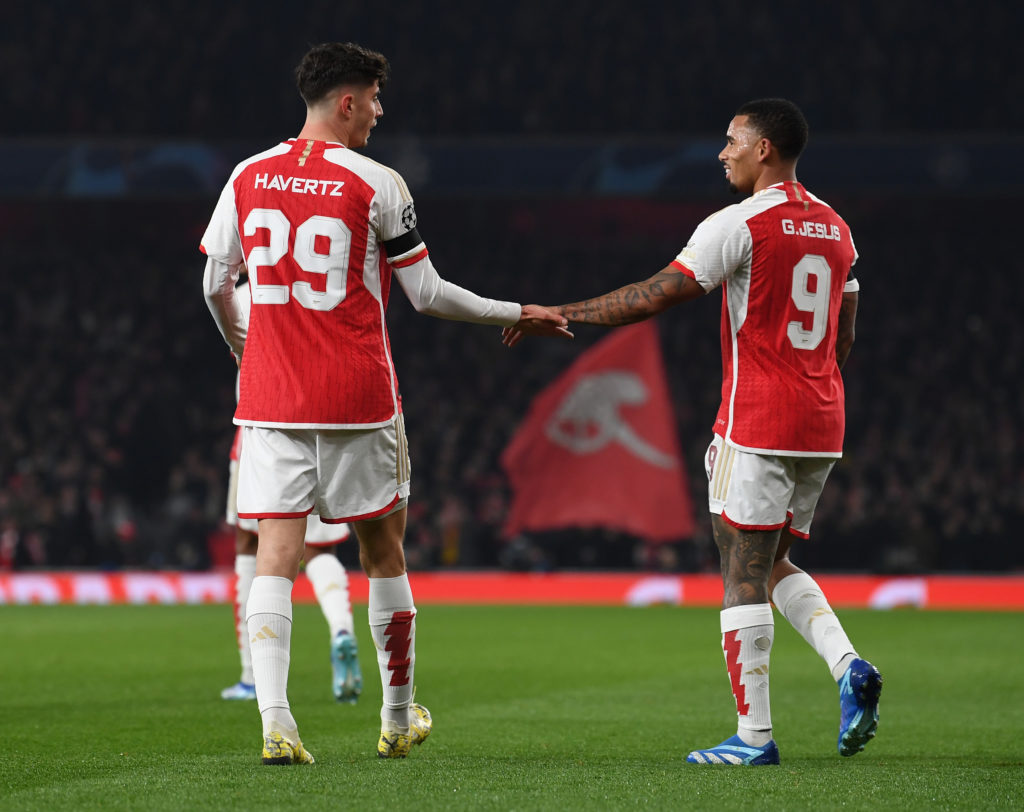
(628, 304)
(635, 302)
(433, 296)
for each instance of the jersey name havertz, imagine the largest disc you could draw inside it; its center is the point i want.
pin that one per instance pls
(301, 186)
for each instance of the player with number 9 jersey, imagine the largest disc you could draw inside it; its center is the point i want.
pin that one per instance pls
(784, 259)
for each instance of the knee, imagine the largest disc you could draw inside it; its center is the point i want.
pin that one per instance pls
(385, 559)
(245, 542)
(309, 552)
(782, 568)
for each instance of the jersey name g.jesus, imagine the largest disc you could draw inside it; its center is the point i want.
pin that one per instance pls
(783, 258)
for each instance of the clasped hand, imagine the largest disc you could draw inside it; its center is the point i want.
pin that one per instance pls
(536, 321)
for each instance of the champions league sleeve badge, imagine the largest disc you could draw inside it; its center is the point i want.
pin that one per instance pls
(409, 216)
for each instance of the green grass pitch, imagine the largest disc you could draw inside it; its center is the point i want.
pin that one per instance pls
(118, 708)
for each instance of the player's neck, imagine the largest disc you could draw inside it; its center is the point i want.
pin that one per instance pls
(773, 175)
(320, 130)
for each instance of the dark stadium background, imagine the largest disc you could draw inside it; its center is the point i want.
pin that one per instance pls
(554, 152)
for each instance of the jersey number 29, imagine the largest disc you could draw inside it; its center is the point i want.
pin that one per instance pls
(333, 264)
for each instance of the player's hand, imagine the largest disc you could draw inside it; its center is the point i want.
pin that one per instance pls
(536, 321)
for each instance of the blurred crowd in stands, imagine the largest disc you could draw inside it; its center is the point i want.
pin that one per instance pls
(114, 407)
(115, 415)
(223, 70)
(115, 419)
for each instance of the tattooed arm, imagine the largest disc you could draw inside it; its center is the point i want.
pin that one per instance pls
(635, 302)
(628, 304)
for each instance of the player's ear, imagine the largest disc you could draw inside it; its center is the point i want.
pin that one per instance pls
(764, 149)
(344, 104)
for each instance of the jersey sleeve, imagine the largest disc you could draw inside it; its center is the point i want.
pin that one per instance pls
(717, 248)
(852, 285)
(394, 220)
(395, 224)
(220, 240)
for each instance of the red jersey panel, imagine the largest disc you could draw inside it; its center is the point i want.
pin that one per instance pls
(309, 218)
(782, 258)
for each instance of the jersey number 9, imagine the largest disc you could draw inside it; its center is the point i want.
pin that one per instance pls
(806, 301)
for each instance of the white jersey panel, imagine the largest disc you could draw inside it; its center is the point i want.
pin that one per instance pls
(221, 240)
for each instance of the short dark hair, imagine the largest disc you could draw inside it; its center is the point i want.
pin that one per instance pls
(781, 122)
(332, 64)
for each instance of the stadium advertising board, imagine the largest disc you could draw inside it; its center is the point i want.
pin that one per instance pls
(495, 588)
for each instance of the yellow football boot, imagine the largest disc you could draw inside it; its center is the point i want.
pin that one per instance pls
(278, 750)
(398, 745)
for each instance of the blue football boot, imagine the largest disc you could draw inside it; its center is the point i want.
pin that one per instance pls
(736, 752)
(859, 690)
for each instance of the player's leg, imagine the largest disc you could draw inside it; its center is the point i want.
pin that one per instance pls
(330, 584)
(392, 617)
(803, 603)
(245, 571)
(277, 478)
(364, 479)
(748, 632)
(269, 621)
(747, 497)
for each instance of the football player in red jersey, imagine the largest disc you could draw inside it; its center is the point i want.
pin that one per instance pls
(322, 231)
(784, 261)
(324, 570)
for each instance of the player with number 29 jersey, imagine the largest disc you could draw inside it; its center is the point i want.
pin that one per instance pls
(319, 228)
(784, 259)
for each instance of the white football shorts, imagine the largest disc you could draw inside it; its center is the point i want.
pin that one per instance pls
(318, 533)
(344, 475)
(760, 492)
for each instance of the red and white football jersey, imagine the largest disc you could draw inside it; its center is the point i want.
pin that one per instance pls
(316, 225)
(783, 258)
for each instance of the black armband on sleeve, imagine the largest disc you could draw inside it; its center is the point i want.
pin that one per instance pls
(402, 244)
